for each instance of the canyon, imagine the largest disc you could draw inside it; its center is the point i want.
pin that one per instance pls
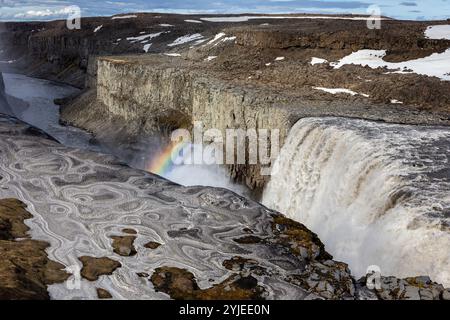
(142, 78)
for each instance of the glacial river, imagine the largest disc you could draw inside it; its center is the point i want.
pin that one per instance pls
(36, 107)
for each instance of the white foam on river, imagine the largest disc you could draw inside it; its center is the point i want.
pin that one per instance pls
(375, 193)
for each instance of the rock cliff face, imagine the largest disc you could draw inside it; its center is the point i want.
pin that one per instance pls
(155, 94)
(400, 42)
(3, 103)
(52, 51)
(163, 94)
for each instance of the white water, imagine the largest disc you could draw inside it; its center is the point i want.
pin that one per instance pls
(376, 194)
(205, 173)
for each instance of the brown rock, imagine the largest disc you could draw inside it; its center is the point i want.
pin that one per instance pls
(124, 245)
(103, 294)
(180, 284)
(12, 215)
(25, 270)
(152, 245)
(93, 268)
(238, 263)
(129, 231)
(295, 235)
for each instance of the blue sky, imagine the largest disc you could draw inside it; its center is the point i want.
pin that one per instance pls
(53, 9)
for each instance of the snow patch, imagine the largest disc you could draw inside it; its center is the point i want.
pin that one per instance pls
(228, 39)
(124, 17)
(247, 18)
(279, 58)
(217, 37)
(438, 32)
(192, 21)
(395, 101)
(210, 58)
(339, 90)
(196, 43)
(185, 39)
(165, 25)
(315, 61)
(147, 47)
(435, 65)
(98, 28)
(144, 37)
(172, 54)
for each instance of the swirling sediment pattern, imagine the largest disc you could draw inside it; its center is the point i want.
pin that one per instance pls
(79, 199)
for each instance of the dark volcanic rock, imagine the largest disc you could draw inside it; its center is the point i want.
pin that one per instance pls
(25, 270)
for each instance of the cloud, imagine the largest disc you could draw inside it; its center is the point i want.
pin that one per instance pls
(51, 9)
(408, 4)
(44, 13)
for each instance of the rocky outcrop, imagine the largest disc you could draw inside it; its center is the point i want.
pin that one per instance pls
(25, 269)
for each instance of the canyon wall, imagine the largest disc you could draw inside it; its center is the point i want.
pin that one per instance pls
(161, 96)
(255, 77)
(4, 107)
(156, 94)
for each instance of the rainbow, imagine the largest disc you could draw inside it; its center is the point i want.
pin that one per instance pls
(163, 164)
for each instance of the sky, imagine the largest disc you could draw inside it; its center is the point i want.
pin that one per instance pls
(19, 10)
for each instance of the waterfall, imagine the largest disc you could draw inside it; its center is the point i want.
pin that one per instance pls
(375, 193)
